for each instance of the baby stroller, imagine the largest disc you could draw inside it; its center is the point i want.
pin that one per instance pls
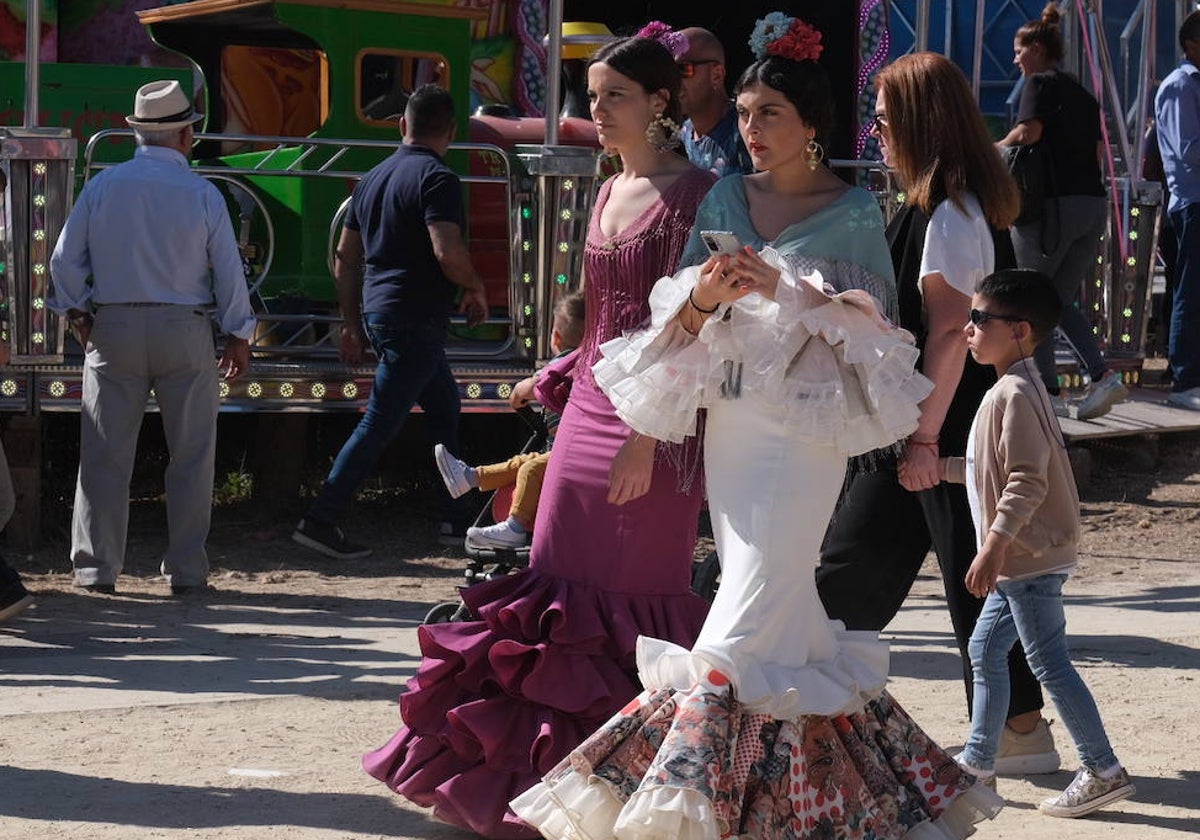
(487, 563)
(490, 563)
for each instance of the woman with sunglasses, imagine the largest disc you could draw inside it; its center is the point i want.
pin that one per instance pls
(951, 233)
(775, 724)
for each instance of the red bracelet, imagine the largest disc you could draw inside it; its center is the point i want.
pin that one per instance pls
(932, 444)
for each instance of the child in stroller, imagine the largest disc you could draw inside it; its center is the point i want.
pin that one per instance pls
(525, 470)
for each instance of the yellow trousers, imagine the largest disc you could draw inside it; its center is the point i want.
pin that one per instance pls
(526, 471)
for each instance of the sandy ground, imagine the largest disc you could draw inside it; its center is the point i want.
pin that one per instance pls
(242, 714)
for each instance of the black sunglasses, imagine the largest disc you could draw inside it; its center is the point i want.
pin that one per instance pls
(881, 122)
(979, 317)
(687, 69)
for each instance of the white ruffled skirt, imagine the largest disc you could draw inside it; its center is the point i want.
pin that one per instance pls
(775, 725)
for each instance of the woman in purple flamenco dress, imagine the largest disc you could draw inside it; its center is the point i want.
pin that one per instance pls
(498, 702)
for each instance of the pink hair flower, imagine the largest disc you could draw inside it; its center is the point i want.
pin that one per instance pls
(676, 43)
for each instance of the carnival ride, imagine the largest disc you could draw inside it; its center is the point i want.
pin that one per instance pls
(336, 70)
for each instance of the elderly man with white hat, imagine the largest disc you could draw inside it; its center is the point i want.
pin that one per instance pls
(147, 250)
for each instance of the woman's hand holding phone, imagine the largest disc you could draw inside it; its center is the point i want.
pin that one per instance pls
(754, 274)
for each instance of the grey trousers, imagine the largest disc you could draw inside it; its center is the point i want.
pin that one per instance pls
(1082, 219)
(131, 350)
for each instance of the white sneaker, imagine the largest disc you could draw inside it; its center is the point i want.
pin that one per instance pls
(1087, 793)
(1189, 399)
(1102, 396)
(454, 472)
(500, 535)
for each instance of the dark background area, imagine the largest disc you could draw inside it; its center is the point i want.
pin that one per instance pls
(732, 23)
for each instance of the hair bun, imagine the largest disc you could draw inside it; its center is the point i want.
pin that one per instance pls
(1051, 15)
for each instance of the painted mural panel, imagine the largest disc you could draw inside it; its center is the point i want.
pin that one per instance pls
(12, 30)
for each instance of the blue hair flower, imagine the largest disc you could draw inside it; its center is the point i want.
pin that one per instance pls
(773, 26)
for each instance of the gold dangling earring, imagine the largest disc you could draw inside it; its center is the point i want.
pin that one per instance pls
(815, 154)
(662, 133)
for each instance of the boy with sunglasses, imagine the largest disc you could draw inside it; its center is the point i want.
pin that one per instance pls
(1026, 513)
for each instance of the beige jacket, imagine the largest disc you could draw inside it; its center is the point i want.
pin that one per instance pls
(1023, 476)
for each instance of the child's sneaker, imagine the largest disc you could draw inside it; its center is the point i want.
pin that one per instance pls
(454, 472)
(500, 535)
(1087, 793)
(1027, 753)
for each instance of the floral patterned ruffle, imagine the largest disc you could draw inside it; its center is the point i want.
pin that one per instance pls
(693, 764)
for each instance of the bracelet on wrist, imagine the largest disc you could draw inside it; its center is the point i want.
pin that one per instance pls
(930, 444)
(698, 308)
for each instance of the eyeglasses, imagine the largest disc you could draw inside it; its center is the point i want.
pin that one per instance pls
(881, 122)
(687, 69)
(979, 317)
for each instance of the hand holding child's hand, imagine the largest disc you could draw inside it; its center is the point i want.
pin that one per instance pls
(919, 468)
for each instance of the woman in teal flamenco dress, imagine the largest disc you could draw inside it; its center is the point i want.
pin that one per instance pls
(775, 723)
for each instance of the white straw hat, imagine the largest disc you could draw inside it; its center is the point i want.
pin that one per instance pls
(161, 106)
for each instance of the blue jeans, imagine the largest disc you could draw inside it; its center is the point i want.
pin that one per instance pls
(412, 370)
(1184, 348)
(1031, 610)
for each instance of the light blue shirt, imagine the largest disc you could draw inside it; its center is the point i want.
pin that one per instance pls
(150, 230)
(1177, 113)
(721, 151)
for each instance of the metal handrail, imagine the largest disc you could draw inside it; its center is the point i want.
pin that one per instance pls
(340, 146)
(308, 146)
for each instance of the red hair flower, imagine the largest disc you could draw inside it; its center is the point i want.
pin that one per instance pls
(801, 42)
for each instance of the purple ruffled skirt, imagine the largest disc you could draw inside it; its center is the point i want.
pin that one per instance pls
(498, 702)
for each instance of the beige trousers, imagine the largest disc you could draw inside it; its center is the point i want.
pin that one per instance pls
(131, 350)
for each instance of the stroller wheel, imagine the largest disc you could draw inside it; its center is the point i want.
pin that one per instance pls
(447, 611)
(706, 576)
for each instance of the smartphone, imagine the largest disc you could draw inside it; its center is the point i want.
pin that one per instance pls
(720, 242)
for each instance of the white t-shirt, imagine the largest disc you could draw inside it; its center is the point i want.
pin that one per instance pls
(958, 245)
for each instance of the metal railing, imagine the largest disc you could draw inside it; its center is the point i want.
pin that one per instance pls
(318, 157)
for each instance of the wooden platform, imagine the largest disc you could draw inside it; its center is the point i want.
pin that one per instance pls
(1146, 412)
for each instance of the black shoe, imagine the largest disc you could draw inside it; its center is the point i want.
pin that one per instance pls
(329, 540)
(184, 591)
(14, 603)
(100, 588)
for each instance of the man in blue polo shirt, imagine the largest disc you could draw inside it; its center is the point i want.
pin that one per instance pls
(710, 132)
(1177, 114)
(400, 260)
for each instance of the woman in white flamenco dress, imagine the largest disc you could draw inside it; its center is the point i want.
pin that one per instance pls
(776, 723)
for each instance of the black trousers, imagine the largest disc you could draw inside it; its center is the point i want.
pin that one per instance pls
(874, 549)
